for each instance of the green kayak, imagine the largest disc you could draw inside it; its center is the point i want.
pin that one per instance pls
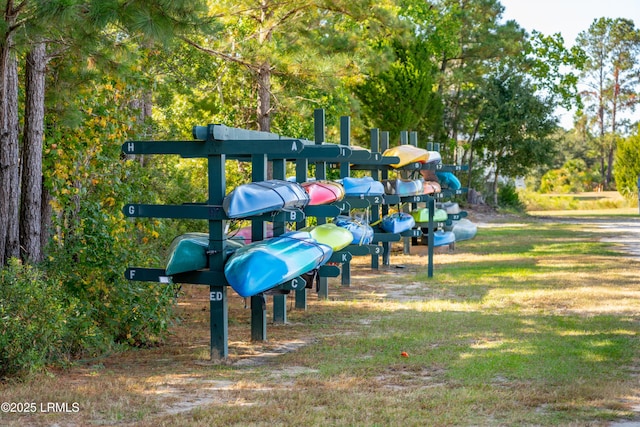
(331, 235)
(422, 215)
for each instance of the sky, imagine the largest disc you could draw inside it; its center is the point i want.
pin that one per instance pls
(568, 17)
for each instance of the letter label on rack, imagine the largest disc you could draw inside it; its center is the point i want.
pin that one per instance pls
(132, 274)
(294, 147)
(215, 296)
(294, 283)
(132, 210)
(293, 215)
(131, 147)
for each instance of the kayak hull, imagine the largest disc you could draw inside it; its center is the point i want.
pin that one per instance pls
(323, 192)
(331, 235)
(397, 222)
(188, 252)
(422, 215)
(365, 186)
(404, 187)
(361, 231)
(260, 197)
(407, 154)
(263, 265)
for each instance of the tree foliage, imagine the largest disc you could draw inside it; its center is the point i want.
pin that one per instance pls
(627, 171)
(610, 79)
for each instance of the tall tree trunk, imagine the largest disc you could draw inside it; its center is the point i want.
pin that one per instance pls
(9, 151)
(13, 242)
(31, 200)
(264, 97)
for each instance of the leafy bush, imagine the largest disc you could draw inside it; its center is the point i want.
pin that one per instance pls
(34, 319)
(627, 166)
(508, 198)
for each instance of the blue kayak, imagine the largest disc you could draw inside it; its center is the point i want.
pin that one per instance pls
(263, 265)
(365, 186)
(441, 238)
(404, 187)
(260, 197)
(361, 230)
(397, 222)
(449, 180)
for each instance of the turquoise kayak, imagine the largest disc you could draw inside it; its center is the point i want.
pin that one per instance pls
(188, 252)
(331, 235)
(397, 222)
(263, 265)
(361, 231)
(366, 186)
(260, 197)
(448, 180)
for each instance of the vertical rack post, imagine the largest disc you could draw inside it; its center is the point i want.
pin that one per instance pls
(218, 304)
(386, 246)
(321, 174)
(302, 169)
(345, 171)
(375, 174)
(279, 300)
(258, 302)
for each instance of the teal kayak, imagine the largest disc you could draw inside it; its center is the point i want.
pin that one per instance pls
(263, 265)
(188, 252)
(448, 180)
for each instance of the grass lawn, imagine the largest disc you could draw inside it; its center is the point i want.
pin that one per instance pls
(533, 322)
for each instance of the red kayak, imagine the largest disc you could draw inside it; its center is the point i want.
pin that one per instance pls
(323, 192)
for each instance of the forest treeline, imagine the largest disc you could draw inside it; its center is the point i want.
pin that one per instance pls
(78, 78)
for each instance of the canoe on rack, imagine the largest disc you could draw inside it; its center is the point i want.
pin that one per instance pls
(331, 235)
(322, 192)
(407, 154)
(397, 222)
(263, 265)
(188, 252)
(260, 197)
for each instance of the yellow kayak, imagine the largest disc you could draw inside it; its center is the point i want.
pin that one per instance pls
(407, 154)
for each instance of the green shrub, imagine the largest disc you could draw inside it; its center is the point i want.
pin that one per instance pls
(34, 314)
(508, 198)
